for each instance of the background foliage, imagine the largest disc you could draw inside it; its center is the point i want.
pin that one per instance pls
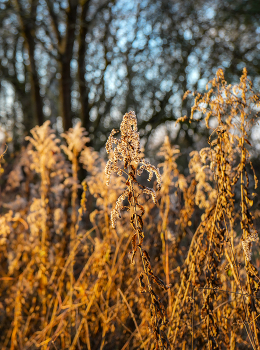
(94, 60)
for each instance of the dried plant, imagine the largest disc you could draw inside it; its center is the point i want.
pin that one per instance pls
(234, 111)
(67, 281)
(127, 151)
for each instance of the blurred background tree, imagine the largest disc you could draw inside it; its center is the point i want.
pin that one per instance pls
(94, 60)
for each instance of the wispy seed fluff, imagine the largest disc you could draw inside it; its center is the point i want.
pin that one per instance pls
(126, 149)
(115, 213)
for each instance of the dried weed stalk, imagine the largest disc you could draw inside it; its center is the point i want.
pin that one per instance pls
(215, 245)
(127, 151)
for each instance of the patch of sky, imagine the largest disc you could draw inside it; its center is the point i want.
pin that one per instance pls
(62, 28)
(225, 63)
(110, 80)
(241, 65)
(122, 71)
(147, 29)
(202, 83)
(255, 134)
(146, 111)
(9, 53)
(2, 6)
(187, 34)
(193, 76)
(125, 4)
(206, 54)
(115, 114)
(7, 98)
(193, 59)
(210, 12)
(43, 63)
(157, 136)
(175, 100)
(74, 64)
(166, 85)
(159, 95)
(92, 94)
(152, 73)
(47, 110)
(155, 42)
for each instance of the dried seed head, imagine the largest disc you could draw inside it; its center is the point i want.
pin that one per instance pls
(127, 150)
(115, 213)
(247, 244)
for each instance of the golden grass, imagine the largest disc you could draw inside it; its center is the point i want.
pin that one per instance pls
(132, 266)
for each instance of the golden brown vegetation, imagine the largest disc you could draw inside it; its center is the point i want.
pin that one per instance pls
(127, 266)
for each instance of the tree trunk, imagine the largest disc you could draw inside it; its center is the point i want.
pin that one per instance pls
(83, 90)
(28, 32)
(65, 95)
(37, 102)
(66, 53)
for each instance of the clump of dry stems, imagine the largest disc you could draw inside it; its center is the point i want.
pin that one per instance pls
(68, 279)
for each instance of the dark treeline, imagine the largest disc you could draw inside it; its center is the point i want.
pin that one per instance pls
(96, 59)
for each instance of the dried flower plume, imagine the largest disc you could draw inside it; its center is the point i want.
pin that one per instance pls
(127, 150)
